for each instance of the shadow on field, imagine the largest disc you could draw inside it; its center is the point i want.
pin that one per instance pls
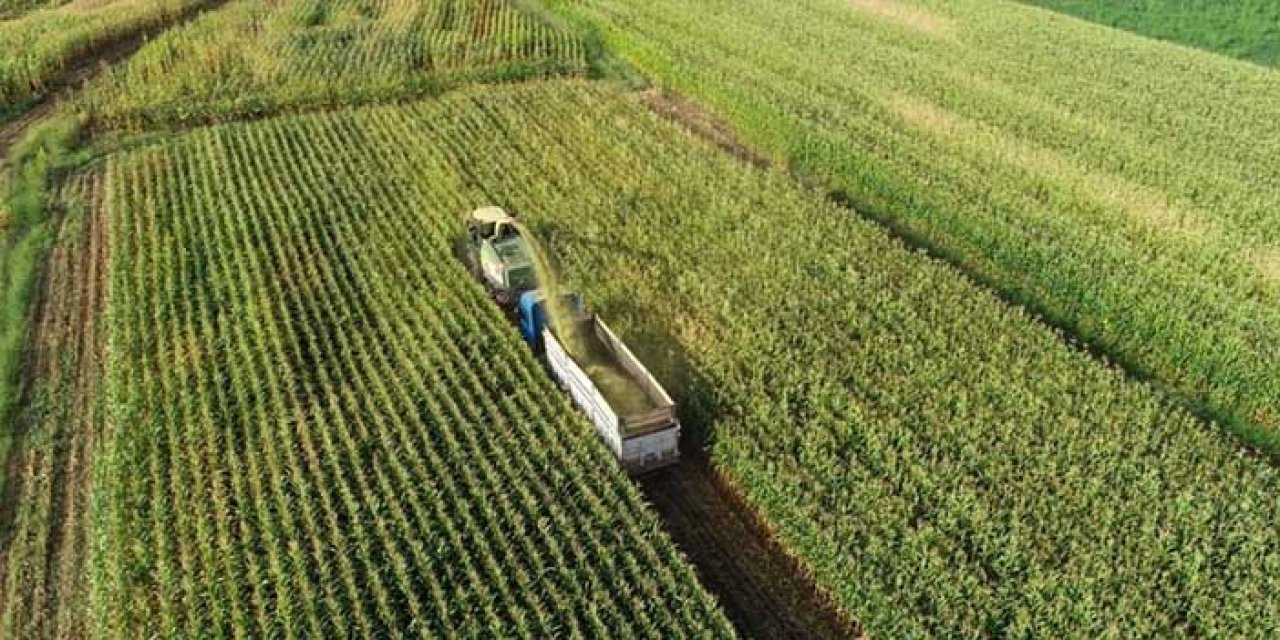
(763, 590)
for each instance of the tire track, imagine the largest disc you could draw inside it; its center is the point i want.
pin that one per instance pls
(761, 588)
(45, 550)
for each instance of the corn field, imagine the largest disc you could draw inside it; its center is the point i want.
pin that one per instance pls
(321, 427)
(258, 57)
(10, 9)
(1124, 188)
(269, 401)
(943, 463)
(42, 44)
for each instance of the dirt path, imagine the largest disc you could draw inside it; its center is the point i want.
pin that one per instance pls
(44, 551)
(736, 557)
(90, 65)
(701, 123)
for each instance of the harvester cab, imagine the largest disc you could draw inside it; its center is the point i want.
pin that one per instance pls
(498, 254)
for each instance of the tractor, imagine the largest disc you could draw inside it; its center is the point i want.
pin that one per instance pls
(631, 411)
(498, 254)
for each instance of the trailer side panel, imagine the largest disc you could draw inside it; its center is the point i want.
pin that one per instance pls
(584, 392)
(651, 451)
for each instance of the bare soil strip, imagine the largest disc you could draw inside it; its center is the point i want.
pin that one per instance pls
(764, 591)
(701, 123)
(90, 65)
(44, 548)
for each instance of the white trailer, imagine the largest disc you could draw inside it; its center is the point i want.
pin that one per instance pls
(642, 440)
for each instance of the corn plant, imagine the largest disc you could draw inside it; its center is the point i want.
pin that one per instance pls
(1123, 188)
(322, 426)
(43, 44)
(253, 58)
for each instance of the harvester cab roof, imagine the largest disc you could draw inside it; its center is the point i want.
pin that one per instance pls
(493, 224)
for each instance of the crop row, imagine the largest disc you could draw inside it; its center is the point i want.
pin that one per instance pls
(41, 45)
(943, 463)
(260, 57)
(321, 427)
(1126, 189)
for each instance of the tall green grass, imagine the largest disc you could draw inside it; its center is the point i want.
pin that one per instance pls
(10, 9)
(1245, 29)
(34, 165)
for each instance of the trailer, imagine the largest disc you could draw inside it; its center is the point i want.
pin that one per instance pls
(631, 412)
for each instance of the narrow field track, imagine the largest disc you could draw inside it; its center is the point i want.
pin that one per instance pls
(44, 545)
(761, 588)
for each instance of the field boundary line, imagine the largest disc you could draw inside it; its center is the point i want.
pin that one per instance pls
(761, 561)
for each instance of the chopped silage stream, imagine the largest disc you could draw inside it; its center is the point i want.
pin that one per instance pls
(619, 388)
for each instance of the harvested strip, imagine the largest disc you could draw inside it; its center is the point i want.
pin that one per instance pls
(46, 548)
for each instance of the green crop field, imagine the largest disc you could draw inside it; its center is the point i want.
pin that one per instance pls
(42, 44)
(1121, 187)
(938, 485)
(10, 9)
(1245, 29)
(971, 311)
(317, 424)
(943, 463)
(257, 57)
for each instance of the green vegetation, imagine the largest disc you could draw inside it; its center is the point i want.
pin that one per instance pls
(10, 9)
(42, 45)
(321, 427)
(942, 462)
(1122, 188)
(301, 417)
(1245, 29)
(34, 166)
(254, 57)
(44, 584)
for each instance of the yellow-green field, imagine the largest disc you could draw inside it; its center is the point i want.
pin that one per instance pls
(261, 57)
(1124, 188)
(971, 311)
